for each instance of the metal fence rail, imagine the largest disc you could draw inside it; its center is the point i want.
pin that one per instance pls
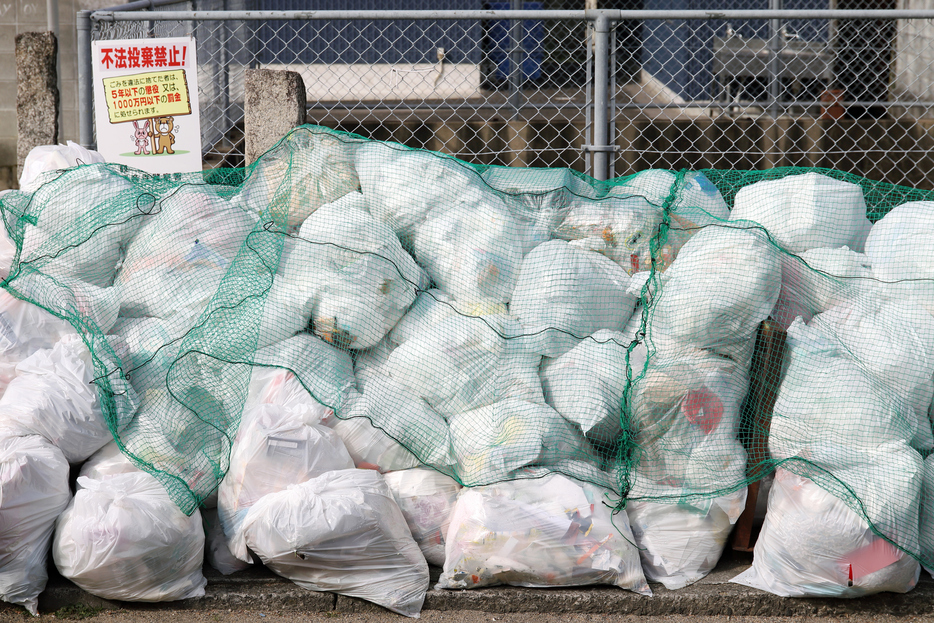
(608, 92)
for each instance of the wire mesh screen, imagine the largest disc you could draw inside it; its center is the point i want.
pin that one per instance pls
(850, 94)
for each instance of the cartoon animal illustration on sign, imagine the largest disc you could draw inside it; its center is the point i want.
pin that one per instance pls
(162, 135)
(141, 137)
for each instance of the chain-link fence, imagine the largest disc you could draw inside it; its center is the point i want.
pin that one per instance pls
(608, 91)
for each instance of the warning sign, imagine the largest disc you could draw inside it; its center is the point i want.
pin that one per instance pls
(147, 95)
(146, 103)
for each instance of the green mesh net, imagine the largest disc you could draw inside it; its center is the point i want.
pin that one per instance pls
(669, 336)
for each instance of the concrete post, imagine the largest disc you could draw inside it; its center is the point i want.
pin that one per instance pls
(36, 93)
(274, 104)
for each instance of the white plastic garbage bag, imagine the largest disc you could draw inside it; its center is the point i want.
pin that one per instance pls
(813, 545)
(402, 186)
(53, 395)
(341, 532)
(586, 385)
(95, 205)
(280, 386)
(682, 543)
(106, 462)
(33, 492)
(300, 174)
(46, 158)
(684, 417)
(806, 211)
(216, 552)
(818, 279)
(725, 282)
(427, 499)
(495, 442)
(894, 249)
(564, 294)
(387, 427)
(348, 274)
(274, 448)
(187, 246)
(123, 538)
(552, 531)
(24, 329)
(472, 250)
(466, 362)
(430, 308)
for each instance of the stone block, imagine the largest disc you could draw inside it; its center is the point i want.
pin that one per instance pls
(36, 93)
(274, 104)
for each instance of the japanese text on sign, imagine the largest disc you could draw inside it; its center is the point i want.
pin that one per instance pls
(146, 95)
(143, 56)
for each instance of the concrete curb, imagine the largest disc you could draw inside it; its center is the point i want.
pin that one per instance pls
(259, 589)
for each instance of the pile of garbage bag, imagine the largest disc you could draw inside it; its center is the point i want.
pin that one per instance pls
(354, 359)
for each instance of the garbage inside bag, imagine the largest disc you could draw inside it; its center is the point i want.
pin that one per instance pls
(813, 545)
(351, 273)
(33, 492)
(892, 249)
(386, 428)
(730, 279)
(819, 279)
(427, 499)
(24, 329)
(430, 308)
(300, 174)
(275, 447)
(552, 531)
(465, 362)
(123, 538)
(472, 250)
(681, 543)
(341, 532)
(77, 225)
(495, 442)
(586, 385)
(186, 245)
(45, 158)
(216, 552)
(106, 462)
(806, 211)
(564, 294)
(279, 386)
(53, 395)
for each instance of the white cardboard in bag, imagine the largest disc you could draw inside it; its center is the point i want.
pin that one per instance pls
(806, 211)
(33, 492)
(123, 538)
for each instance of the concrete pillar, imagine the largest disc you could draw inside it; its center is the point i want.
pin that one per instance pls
(274, 104)
(37, 98)
(519, 136)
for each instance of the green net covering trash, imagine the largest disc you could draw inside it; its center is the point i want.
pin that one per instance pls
(667, 336)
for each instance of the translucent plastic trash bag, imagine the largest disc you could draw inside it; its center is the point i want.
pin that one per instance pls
(274, 448)
(564, 294)
(341, 532)
(187, 245)
(303, 172)
(427, 499)
(552, 531)
(33, 492)
(46, 158)
(123, 538)
(806, 211)
(24, 329)
(495, 442)
(681, 543)
(897, 249)
(813, 545)
(216, 552)
(53, 395)
(106, 462)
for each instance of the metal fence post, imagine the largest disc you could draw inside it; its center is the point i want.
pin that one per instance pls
(85, 84)
(601, 100)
